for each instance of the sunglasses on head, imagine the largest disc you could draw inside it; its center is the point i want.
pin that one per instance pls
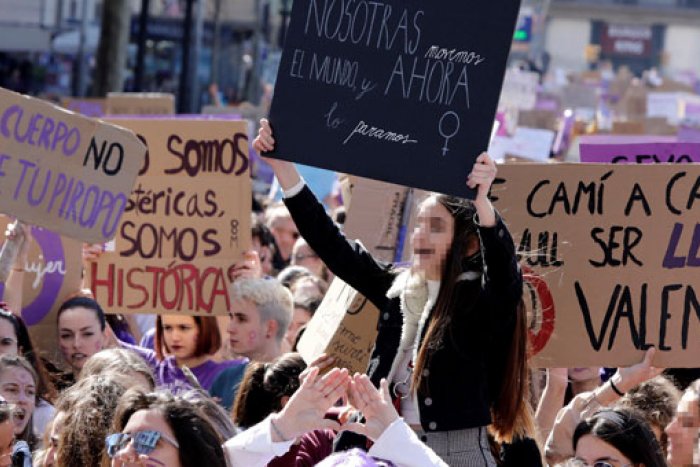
(144, 441)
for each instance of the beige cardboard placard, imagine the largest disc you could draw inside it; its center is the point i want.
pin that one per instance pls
(519, 89)
(375, 214)
(579, 96)
(635, 127)
(538, 118)
(611, 257)
(140, 103)
(633, 104)
(90, 107)
(52, 275)
(64, 171)
(187, 221)
(344, 327)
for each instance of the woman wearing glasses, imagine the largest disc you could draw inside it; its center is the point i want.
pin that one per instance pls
(617, 438)
(159, 429)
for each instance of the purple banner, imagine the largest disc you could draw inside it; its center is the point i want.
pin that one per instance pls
(47, 273)
(640, 150)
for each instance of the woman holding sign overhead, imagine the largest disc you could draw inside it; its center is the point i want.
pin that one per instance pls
(452, 333)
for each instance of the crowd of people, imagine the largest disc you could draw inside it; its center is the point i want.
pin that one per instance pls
(448, 382)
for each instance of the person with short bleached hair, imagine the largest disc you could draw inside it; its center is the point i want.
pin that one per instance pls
(261, 310)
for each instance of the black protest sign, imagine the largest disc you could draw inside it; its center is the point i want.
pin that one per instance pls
(400, 91)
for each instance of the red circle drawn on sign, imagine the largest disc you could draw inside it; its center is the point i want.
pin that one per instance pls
(542, 294)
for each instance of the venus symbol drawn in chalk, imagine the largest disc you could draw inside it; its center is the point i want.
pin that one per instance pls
(444, 127)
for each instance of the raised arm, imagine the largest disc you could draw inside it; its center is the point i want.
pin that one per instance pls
(347, 259)
(13, 261)
(503, 275)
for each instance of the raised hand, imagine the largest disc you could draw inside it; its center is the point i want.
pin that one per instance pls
(249, 266)
(628, 378)
(264, 141)
(482, 175)
(323, 362)
(375, 405)
(306, 409)
(285, 171)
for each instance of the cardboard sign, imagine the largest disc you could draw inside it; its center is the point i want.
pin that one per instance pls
(670, 105)
(641, 152)
(635, 127)
(400, 91)
(86, 106)
(633, 104)
(63, 171)
(343, 327)
(527, 143)
(53, 274)
(545, 119)
(610, 254)
(186, 222)
(140, 103)
(519, 89)
(579, 96)
(380, 215)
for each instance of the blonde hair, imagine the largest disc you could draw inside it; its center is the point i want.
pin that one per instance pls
(272, 300)
(119, 362)
(89, 406)
(275, 213)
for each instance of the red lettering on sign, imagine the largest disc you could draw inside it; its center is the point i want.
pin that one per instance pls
(542, 311)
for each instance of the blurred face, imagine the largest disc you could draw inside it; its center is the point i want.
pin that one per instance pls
(164, 454)
(50, 459)
(303, 255)
(286, 234)
(7, 439)
(8, 338)
(432, 238)
(683, 431)
(265, 255)
(299, 319)
(591, 449)
(180, 334)
(79, 336)
(247, 335)
(18, 388)
(306, 287)
(584, 374)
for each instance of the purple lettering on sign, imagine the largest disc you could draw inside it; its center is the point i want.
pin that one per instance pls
(53, 274)
(40, 131)
(3, 158)
(25, 165)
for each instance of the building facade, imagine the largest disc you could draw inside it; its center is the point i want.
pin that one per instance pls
(640, 34)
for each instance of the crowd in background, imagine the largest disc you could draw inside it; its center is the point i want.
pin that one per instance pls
(196, 390)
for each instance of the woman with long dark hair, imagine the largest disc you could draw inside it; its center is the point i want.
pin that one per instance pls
(452, 337)
(617, 437)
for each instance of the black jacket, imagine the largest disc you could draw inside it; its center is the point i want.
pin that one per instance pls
(463, 372)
